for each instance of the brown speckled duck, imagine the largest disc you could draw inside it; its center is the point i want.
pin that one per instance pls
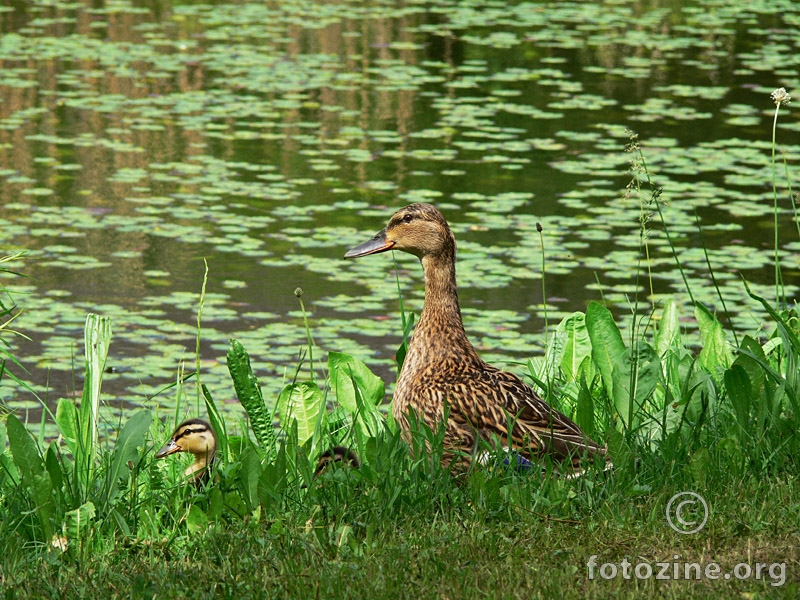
(442, 367)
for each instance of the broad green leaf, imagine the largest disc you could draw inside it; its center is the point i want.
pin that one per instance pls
(347, 373)
(668, 333)
(304, 404)
(8, 466)
(659, 425)
(737, 384)
(23, 449)
(788, 331)
(635, 379)
(79, 520)
(715, 352)
(42, 492)
(196, 519)
(53, 466)
(217, 422)
(249, 475)
(130, 438)
(97, 338)
(753, 360)
(607, 345)
(122, 524)
(67, 421)
(584, 414)
(358, 390)
(621, 454)
(215, 503)
(578, 344)
(369, 421)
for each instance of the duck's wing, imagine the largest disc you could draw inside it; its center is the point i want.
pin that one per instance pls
(494, 400)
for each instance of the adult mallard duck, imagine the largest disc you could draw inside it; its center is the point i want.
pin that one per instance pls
(196, 437)
(442, 368)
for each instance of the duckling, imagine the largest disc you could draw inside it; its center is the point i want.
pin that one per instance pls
(196, 437)
(442, 368)
(339, 454)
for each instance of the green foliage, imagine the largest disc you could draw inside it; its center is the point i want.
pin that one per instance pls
(671, 422)
(78, 521)
(248, 390)
(302, 405)
(97, 337)
(665, 402)
(125, 456)
(358, 390)
(35, 479)
(8, 313)
(607, 345)
(60, 496)
(715, 351)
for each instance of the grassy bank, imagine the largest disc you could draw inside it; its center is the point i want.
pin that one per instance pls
(448, 549)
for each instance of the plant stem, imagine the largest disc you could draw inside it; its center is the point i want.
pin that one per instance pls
(544, 290)
(299, 293)
(197, 338)
(778, 282)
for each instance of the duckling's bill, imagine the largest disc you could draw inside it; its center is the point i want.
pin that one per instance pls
(377, 244)
(169, 448)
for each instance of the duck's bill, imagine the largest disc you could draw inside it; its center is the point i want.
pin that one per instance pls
(377, 244)
(169, 448)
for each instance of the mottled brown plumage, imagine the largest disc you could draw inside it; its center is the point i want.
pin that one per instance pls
(442, 367)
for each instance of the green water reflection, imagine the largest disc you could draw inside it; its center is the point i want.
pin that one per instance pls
(139, 138)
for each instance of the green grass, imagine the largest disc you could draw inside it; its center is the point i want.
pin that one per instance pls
(447, 549)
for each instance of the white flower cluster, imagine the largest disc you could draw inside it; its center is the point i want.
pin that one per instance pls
(780, 97)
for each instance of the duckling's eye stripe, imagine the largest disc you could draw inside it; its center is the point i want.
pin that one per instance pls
(186, 432)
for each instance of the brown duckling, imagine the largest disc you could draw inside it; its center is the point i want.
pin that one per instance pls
(442, 368)
(196, 437)
(339, 454)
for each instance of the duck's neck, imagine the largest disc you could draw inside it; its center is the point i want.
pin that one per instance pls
(440, 330)
(197, 468)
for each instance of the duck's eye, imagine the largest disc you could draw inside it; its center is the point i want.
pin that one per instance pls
(408, 218)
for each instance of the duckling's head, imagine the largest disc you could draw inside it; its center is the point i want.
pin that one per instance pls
(338, 454)
(196, 437)
(419, 229)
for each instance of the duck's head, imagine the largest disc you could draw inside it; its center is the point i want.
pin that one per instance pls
(419, 229)
(196, 437)
(338, 454)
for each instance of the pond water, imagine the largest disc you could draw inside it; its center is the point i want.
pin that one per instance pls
(140, 138)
